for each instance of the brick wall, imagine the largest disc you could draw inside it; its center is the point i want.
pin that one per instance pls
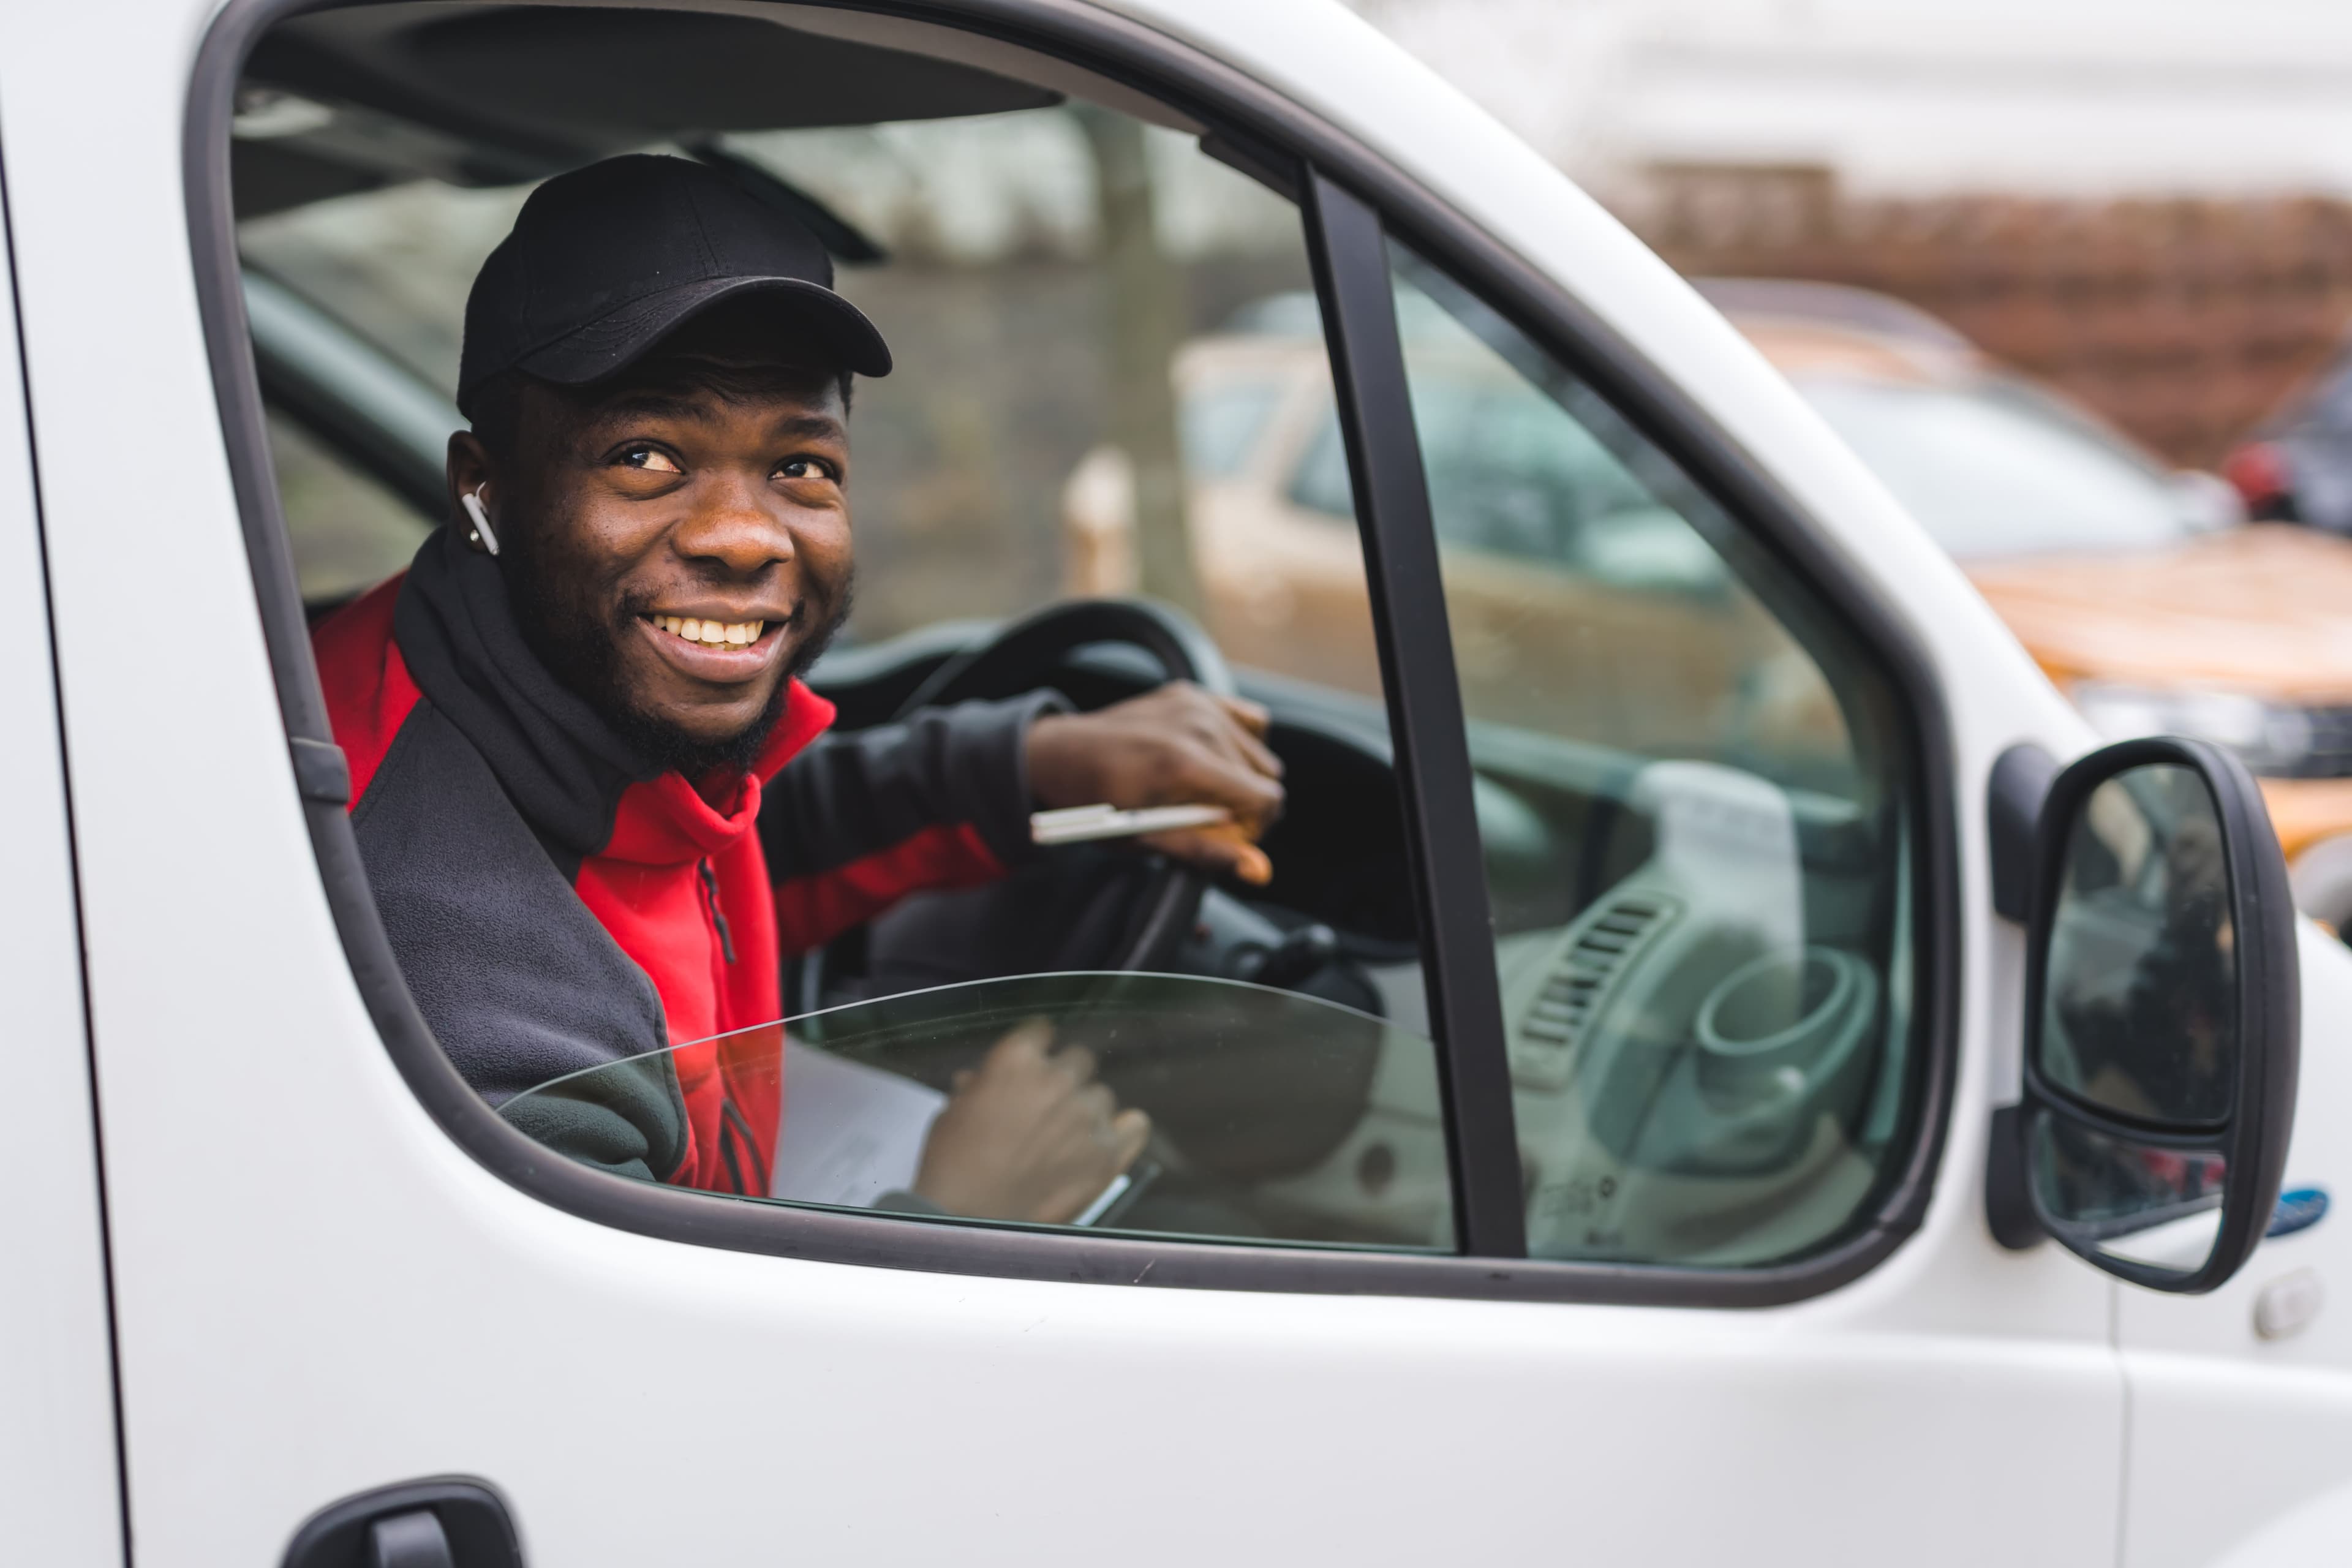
(2184, 321)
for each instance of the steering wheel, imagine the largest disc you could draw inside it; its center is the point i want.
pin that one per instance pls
(1165, 900)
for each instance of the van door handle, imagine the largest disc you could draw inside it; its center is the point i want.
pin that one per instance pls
(449, 1522)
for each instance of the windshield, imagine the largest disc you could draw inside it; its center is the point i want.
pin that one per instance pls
(1991, 470)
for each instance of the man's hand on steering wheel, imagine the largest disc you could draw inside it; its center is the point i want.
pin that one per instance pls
(1176, 746)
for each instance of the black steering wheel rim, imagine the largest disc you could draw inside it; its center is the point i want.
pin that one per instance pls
(1024, 655)
(1023, 652)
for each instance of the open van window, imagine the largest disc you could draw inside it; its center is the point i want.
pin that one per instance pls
(1034, 266)
(1110, 455)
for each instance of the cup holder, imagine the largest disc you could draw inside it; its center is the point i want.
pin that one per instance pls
(1769, 1026)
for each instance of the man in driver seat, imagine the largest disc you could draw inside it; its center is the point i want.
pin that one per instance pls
(598, 808)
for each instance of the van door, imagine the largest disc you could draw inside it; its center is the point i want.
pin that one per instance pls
(2242, 1399)
(60, 1484)
(1699, 1302)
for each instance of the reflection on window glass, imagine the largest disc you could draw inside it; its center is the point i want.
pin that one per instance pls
(1321, 483)
(2139, 1015)
(1222, 426)
(1273, 1116)
(1693, 817)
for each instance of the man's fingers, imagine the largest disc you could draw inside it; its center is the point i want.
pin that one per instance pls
(1245, 736)
(1259, 754)
(1228, 781)
(1130, 1129)
(1237, 749)
(1251, 716)
(1028, 1039)
(1223, 847)
(1232, 728)
(1077, 1061)
(1239, 852)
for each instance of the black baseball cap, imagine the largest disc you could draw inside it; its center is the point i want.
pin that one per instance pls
(605, 262)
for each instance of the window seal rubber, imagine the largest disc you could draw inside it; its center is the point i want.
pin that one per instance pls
(1219, 95)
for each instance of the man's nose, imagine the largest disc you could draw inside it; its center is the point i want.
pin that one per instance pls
(736, 525)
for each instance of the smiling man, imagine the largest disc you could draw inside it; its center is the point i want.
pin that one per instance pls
(596, 805)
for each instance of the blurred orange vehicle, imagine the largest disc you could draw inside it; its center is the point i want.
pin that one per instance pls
(1582, 602)
(2142, 591)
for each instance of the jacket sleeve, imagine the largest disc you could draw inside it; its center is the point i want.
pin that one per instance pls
(858, 821)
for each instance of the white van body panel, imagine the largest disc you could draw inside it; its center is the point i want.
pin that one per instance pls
(60, 1486)
(316, 1292)
(2310, 1536)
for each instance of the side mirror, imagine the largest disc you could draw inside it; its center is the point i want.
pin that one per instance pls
(2161, 1026)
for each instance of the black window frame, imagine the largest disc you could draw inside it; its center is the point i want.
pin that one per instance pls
(1351, 201)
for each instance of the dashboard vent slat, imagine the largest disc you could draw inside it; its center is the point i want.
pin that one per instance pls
(1554, 1020)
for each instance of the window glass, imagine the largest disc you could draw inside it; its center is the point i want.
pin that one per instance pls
(1095, 394)
(1276, 1116)
(1512, 480)
(1220, 426)
(1517, 479)
(347, 530)
(1320, 483)
(1693, 822)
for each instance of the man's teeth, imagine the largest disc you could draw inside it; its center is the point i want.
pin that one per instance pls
(713, 633)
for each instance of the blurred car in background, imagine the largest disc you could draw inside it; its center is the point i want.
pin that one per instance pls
(2298, 465)
(2143, 591)
(1559, 556)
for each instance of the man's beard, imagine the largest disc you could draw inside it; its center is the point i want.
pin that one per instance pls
(584, 655)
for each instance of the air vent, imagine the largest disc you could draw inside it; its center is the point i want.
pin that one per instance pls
(1556, 1019)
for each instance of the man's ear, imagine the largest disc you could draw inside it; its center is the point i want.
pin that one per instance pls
(470, 470)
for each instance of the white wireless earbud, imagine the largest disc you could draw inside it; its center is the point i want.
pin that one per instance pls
(472, 502)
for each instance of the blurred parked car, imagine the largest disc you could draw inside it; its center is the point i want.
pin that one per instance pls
(2298, 466)
(2141, 591)
(1558, 556)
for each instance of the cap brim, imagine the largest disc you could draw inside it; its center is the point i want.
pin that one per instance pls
(617, 340)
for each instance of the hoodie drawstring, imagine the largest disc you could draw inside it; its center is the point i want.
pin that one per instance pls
(717, 916)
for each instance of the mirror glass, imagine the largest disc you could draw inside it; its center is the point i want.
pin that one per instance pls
(2148, 1205)
(2139, 1012)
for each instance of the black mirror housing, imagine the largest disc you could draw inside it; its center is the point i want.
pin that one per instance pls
(2162, 1026)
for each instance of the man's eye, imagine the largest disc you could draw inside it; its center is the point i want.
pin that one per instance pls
(803, 468)
(653, 459)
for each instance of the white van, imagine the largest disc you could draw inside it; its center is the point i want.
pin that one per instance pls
(1703, 1086)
